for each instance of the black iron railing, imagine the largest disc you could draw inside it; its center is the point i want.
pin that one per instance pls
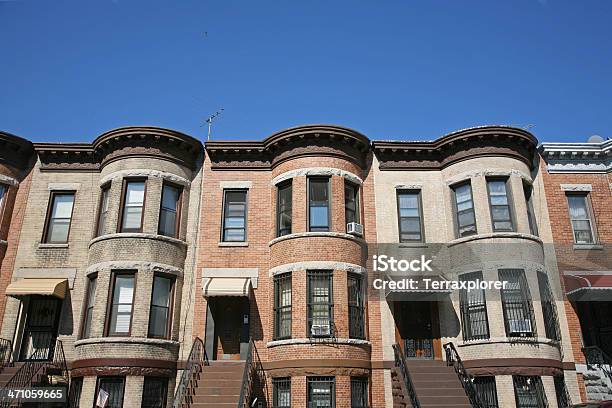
(41, 366)
(6, 353)
(183, 397)
(400, 363)
(467, 381)
(596, 357)
(253, 380)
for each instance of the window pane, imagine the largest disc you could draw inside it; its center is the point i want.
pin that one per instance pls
(132, 218)
(320, 392)
(110, 392)
(121, 312)
(170, 197)
(135, 193)
(319, 216)
(235, 235)
(167, 223)
(577, 207)
(319, 204)
(497, 187)
(154, 392)
(2, 192)
(281, 392)
(234, 223)
(319, 191)
(158, 321)
(62, 206)
(161, 291)
(58, 231)
(466, 218)
(463, 193)
(351, 203)
(284, 210)
(169, 210)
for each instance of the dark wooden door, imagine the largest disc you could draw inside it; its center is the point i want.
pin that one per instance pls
(228, 327)
(40, 331)
(415, 325)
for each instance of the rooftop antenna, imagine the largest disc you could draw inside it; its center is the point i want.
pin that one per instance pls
(210, 120)
(528, 126)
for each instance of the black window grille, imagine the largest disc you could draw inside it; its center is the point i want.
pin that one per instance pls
(234, 216)
(74, 396)
(499, 204)
(410, 216)
(563, 398)
(549, 308)
(516, 301)
(533, 224)
(281, 392)
(465, 217)
(154, 392)
(351, 202)
(110, 389)
(473, 306)
(529, 392)
(318, 204)
(284, 209)
(359, 392)
(486, 391)
(321, 392)
(282, 306)
(356, 308)
(320, 304)
(580, 215)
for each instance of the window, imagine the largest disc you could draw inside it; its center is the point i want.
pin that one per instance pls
(356, 309)
(486, 390)
(281, 392)
(90, 300)
(321, 392)
(160, 316)
(465, 217)
(170, 211)
(74, 395)
(133, 204)
(120, 322)
(529, 392)
(59, 216)
(318, 204)
(517, 305)
(351, 202)
(580, 215)
(154, 392)
(531, 218)
(473, 304)
(3, 191)
(409, 216)
(563, 398)
(499, 204)
(549, 308)
(109, 392)
(103, 210)
(283, 209)
(234, 216)
(320, 306)
(359, 392)
(282, 306)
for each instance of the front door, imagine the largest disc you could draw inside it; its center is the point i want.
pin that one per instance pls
(229, 314)
(415, 324)
(40, 330)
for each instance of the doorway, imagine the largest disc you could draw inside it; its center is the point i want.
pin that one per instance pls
(417, 329)
(40, 329)
(228, 325)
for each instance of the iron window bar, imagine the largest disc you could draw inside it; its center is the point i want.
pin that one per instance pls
(356, 307)
(517, 305)
(282, 306)
(281, 392)
(320, 304)
(486, 390)
(473, 305)
(321, 392)
(529, 392)
(549, 309)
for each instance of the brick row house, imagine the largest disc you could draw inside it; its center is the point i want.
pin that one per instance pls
(146, 269)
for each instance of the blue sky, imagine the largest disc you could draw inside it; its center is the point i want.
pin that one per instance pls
(71, 70)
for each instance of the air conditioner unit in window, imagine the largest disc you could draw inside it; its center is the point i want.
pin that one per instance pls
(520, 326)
(354, 228)
(320, 330)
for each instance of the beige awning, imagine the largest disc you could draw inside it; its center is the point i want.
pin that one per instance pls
(227, 287)
(31, 286)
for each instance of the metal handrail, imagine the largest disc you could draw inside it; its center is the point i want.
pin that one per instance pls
(6, 353)
(400, 363)
(253, 374)
(595, 356)
(467, 381)
(190, 376)
(39, 363)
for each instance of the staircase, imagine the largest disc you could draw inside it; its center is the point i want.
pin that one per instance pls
(220, 385)
(437, 384)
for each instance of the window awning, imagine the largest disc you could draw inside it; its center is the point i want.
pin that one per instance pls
(34, 286)
(227, 287)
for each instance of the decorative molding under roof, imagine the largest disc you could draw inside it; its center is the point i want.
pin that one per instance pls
(577, 157)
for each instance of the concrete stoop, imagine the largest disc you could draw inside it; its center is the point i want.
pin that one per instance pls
(598, 385)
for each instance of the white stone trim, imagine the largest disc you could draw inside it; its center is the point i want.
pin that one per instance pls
(133, 340)
(121, 174)
(476, 237)
(488, 173)
(576, 187)
(316, 234)
(508, 340)
(209, 273)
(228, 185)
(139, 235)
(313, 265)
(408, 186)
(8, 180)
(317, 171)
(138, 265)
(287, 342)
(50, 273)
(64, 186)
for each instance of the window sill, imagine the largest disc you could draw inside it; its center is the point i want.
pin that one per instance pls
(117, 339)
(52, 246)
(493, 235)
(588, 247)
(326, 340)
(413, 245)
(120, 235)
(316, 234)
(233, 244)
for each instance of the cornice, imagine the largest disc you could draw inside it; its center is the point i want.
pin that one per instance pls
(577, 157)
(15, 151)
(484, 141)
